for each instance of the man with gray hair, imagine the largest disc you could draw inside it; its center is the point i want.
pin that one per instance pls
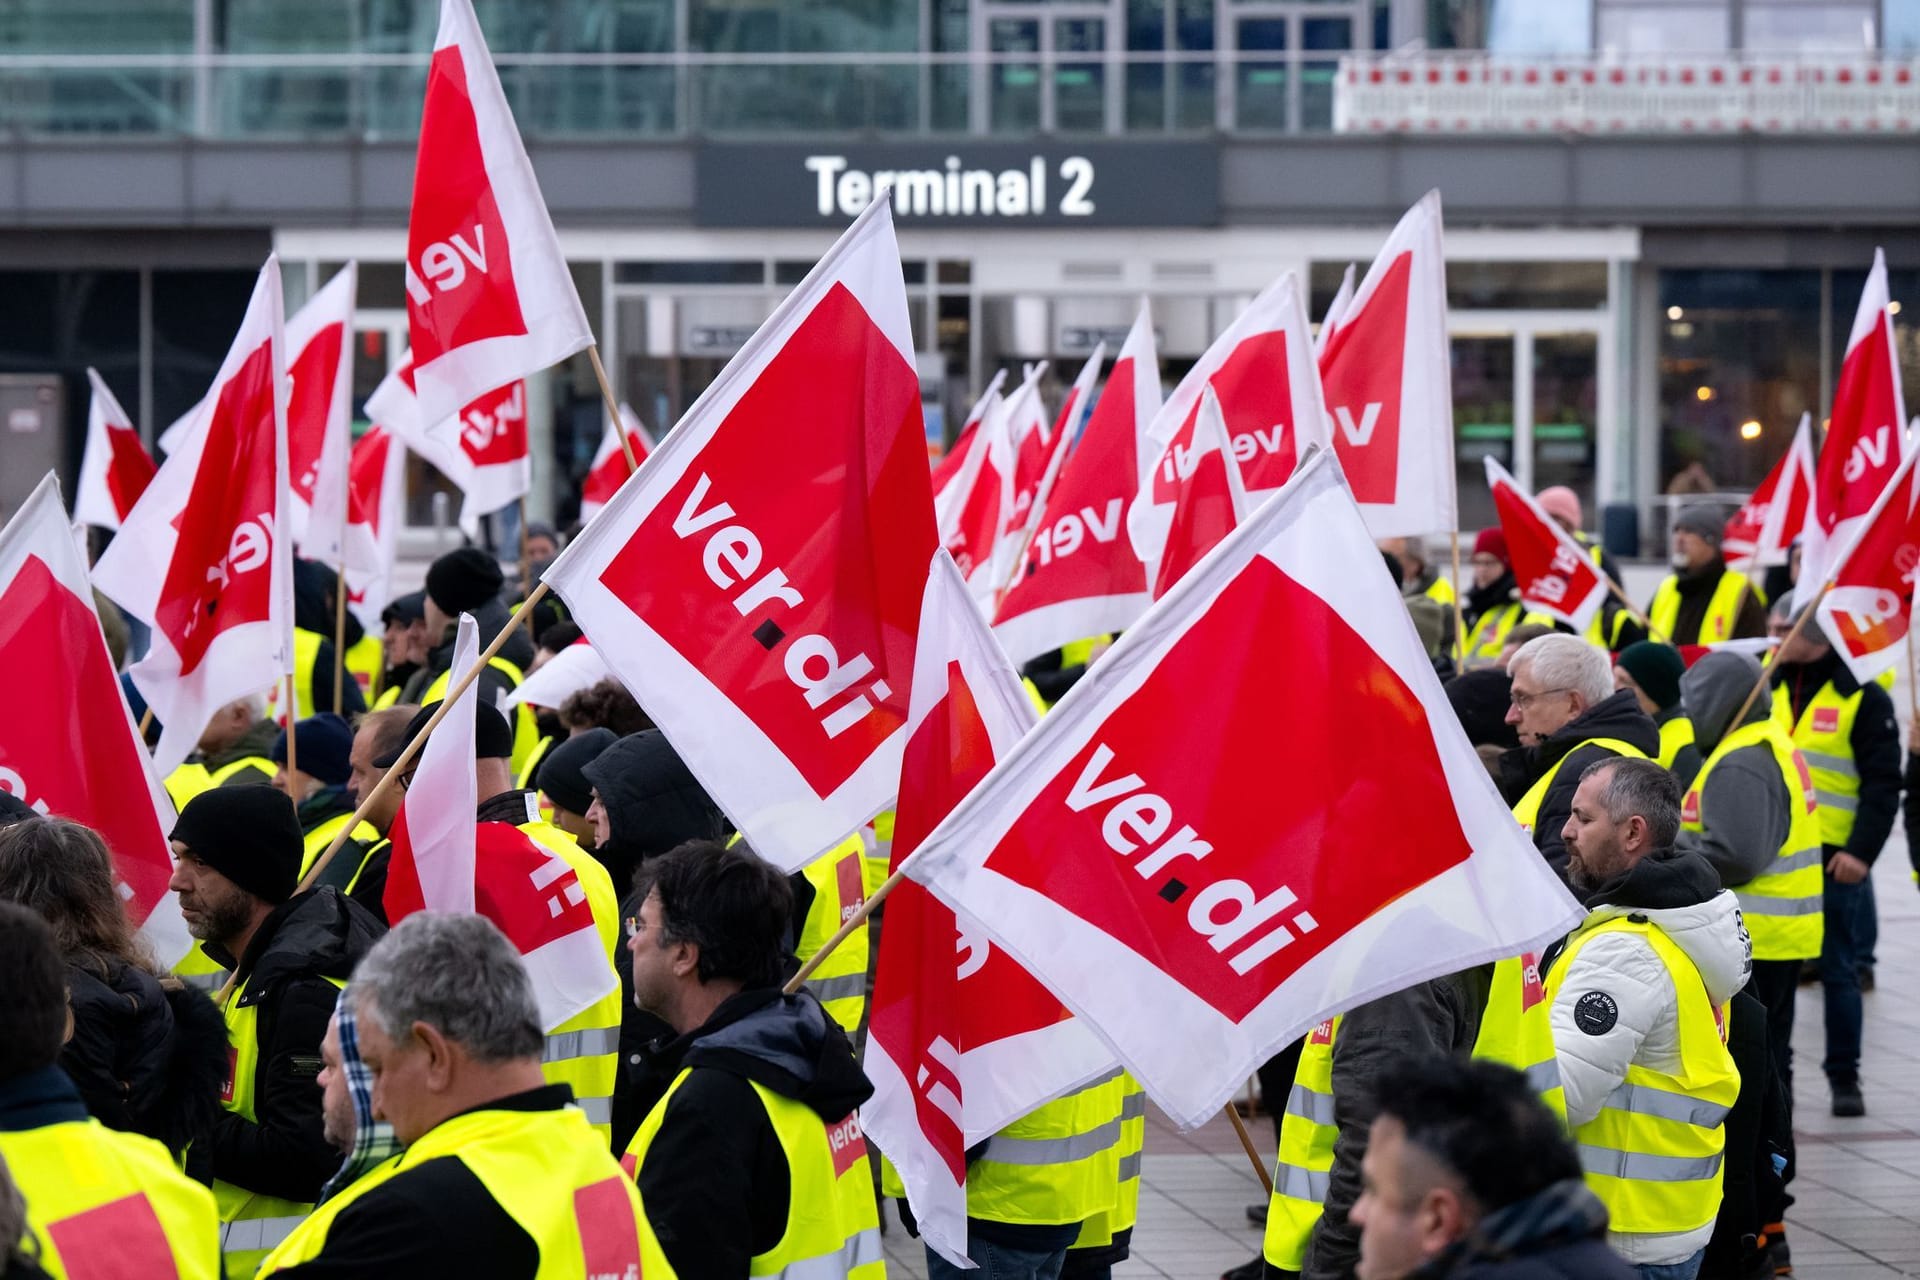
(500, 1177)
(1568, 715)
(1636, 993)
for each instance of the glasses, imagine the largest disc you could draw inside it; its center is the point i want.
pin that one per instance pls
(635, 926)
(1525, 700)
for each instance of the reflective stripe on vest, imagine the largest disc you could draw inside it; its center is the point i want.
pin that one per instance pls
(1058, 1164)
(104, 1203)
(1824, 734)
(1517, 1028)
(592, 1069)
(833, 1220)
(1529, 807)
(547, 1170)
(1676, 735)
(1653, 1152)
(839, 879)
(1116, 1222)
(1783, 903)
(1488, 634)
(1305, 1160)
(1723, 610)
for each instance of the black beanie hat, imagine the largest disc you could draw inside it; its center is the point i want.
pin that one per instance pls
(321, 745)
(463, 580)
(561, 777)
(492, 735)
(410, 607)
(1480, 700)
(1656, 668)
(249, 835)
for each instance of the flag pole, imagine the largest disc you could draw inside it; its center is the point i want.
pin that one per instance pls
(1793, 631)
(1633, 610)
(526, 567)
(1246, 1143)
(339, 632)
(146, 722)
(613, 407)
(1459, 614)
(387, 779)
(845, 931)
(293, 719)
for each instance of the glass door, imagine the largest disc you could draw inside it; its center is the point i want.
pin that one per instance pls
(1286, 54)
(1047, 68)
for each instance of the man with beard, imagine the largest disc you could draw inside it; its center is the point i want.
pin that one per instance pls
(1637, 994)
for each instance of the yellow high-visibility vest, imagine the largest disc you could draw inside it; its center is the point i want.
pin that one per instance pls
(1824, 735)
(1528, 810)
(526, 733)
(191, 778)
(838, 877)
(584, 1051)
(365, 658)
(315, 842)
(1723, 610)
(1676, 735)
(1783, 904)
(1056, 1165)
(1116, 1223)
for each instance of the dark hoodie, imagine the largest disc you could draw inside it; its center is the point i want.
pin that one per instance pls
(1618, 715)
(715, 1180)
(1559, 1233)
(146, 1058)
(313, 610)
(307, 940)
(1745, 804)
(1875, 743)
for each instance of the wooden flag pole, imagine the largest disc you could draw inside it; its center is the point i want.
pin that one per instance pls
(1246, 1143)
(613, 407)
(526, 567)
(293, 719)
(1633, 610)
(387, 779)
(146, 722)
(339, 633)
(1799, 622)
(845, 931)
(1459, 614)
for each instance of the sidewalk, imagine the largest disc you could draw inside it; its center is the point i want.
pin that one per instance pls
(1858, 1210)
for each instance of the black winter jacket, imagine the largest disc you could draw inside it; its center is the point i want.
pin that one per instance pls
(310, 938)
(715, 1180)
(1875, 742)
(1616, 716)
(146, 1058)
(1558, 1234)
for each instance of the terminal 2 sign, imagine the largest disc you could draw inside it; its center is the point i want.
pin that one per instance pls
(961, 183)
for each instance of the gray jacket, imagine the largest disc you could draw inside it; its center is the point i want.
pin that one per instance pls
(1746, 801)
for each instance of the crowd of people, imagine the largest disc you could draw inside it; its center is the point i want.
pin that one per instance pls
(315, 1092)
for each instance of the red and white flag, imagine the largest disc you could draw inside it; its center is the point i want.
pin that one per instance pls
(482, 450)
(1201, 886)
(376, 508)
(1032, 447)
(1081, 576)
(610, 470)
(116, 468)
(446, 860)
(1556, 575)
(961, 1040)
(1387, 371)
(757, 587)
(1210, 502)
(204, 558)
(489, 300)
(68, 745)
(947, 470)
(981, 539)
(1865, 438)
(1336, 309)
(1869, 611)
(1762, 531)
(320, 417)
(578, 666)
(1263, 372)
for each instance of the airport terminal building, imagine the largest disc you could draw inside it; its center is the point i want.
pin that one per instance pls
(1659, 212)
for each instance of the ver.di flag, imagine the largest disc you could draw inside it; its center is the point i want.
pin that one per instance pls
(1868, 611)
(1080, 576)
(610, 470)
(444, 859)
(1556, 576)
(1263, 373)
(376, 508)
(204, 558)
(1176, 852)
(489, 300)
(320, 417)
(947, 469)
(757, 585)
(1209, 504)
(1762, 531)
(1330, 323)
(1865, 442)
(1387, 372)
(482, 450)
(115, 469)
(68, 744)
(981, 540)
(1066, 431)
(961, 1040)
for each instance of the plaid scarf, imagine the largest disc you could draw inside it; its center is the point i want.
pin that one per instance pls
(373, 1140)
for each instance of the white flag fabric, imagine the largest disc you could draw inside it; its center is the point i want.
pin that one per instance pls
(1387, 373)
(947, 496)
(320, 417)
(1329, 323)
(610, 470)
(482, 450)
(115, 469)
(757, 587)
(1178, 855)
(204, 558)
(578, 666)
(434, 830)
(376, 506)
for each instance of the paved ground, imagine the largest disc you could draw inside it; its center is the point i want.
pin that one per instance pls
(1858, 1210)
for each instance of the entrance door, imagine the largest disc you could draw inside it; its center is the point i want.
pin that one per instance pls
(1048, 69)
(1286, 57)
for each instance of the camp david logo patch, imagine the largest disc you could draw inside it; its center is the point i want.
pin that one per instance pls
(1595, 1013)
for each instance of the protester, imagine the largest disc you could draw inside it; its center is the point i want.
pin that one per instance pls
(346, 1104)
(500, 1177)
(1750, 813)
(16, 1262)
(1564, 507)
(1418, 575)
(1636, 994)
(324, 803)
(563, 783)
(98, 1202)
(644, 802)
(542, 542)
(552, 640)
(315, 616)
(750, 1159)
(1651, 672)
(1106, 1239)
(147, 1054)
(404, 646)
(469, 581)
(581, 1052)
(1492, 605)
(379, 735)
(1568, 714)
(606, 705)
(1522, 636)
(1469, 1176)
(1846, 734)
(233, 751)
(1703, 601)
(238, 852)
